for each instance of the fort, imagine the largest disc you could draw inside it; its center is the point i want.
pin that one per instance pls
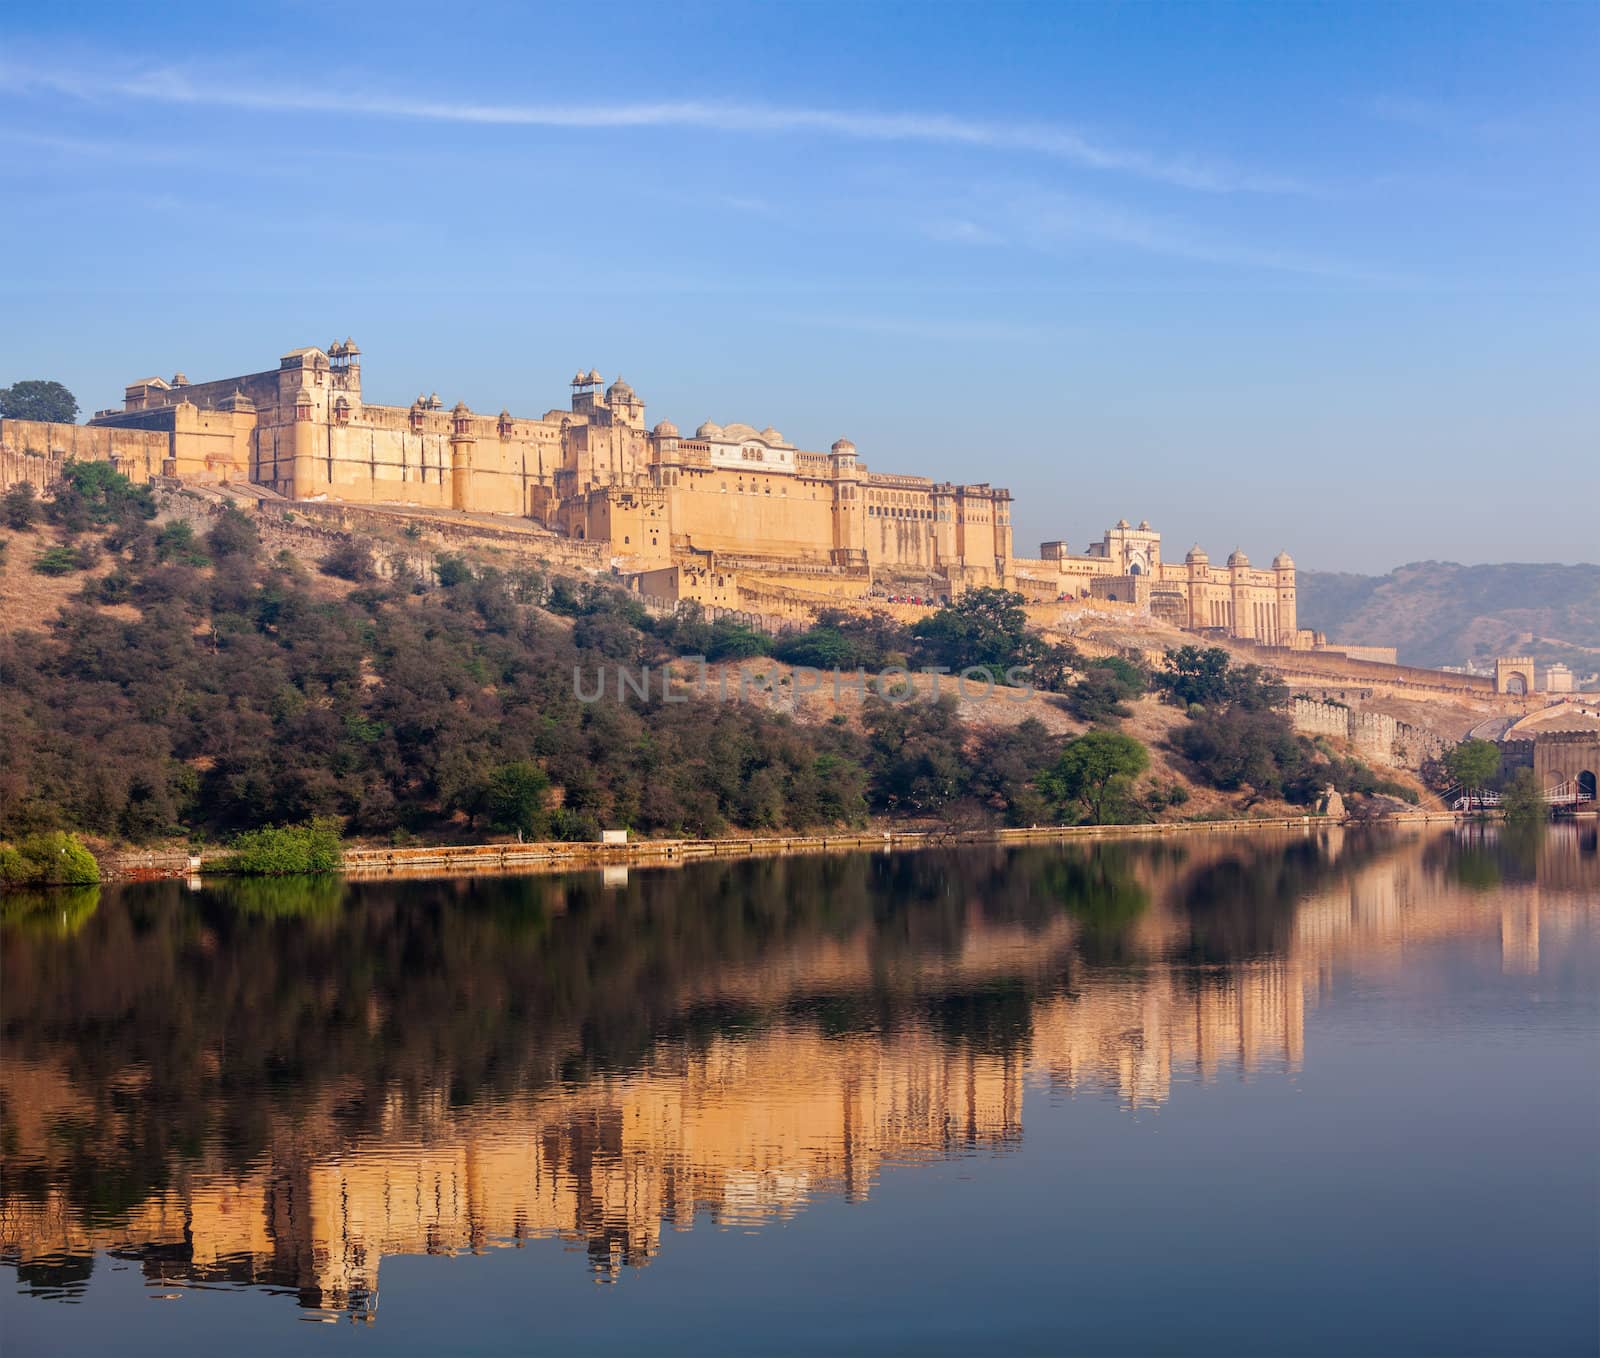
(730, 511)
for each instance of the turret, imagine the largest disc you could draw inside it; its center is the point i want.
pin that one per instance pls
(461, 444)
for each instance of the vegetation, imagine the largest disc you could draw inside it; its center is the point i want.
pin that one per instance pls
(274, 851)
(1473, 764)
(38, 399)
(245, 695)
(984, 629)
(52, 858)
(20, 508)
(63, 560)
(1095, 774)
(1523, 800)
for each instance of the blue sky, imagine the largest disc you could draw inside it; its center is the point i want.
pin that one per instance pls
(1300, 276)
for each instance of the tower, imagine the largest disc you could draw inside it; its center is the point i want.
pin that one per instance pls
(461, 443)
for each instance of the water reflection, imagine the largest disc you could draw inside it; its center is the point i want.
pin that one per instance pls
(281, 1083)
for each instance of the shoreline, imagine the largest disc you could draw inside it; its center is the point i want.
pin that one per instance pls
(457, 860)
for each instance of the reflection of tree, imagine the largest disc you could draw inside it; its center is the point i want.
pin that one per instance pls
(236, 1015)
(1485, 856)
(1098, 888)
(1242, 906)
(58, 911)
(301, 897)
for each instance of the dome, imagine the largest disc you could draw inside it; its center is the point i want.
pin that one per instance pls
(1197, 554)
(708, 430)
(1123, 523)
(460, 408)
(434, 403)
(594, 377)
(350, 346)
(579, 378)
(1283, 562)
(843, 448)
(1144, 525)
(1237, 557)
(771, 436)
(619, 391)
(179, 380)
(665, 429)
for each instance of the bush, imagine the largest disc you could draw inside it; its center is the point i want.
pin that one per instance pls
(176, 542)
(1522, 799)
(21, 508)
(452, 571)
(515, 798)
(51, 859)
(61, 561)
(277, 850)
(349, 561)
(233, 535)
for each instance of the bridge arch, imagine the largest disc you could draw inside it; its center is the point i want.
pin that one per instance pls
(1586, 785)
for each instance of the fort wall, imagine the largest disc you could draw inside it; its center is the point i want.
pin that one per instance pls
(1374, 735)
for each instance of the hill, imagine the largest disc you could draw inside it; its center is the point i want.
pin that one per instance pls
(1441, 613)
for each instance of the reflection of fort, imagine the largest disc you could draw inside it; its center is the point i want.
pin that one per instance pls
(745, 1127)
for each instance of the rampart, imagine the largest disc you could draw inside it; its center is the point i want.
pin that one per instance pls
(1374, 735)
(1321, 666)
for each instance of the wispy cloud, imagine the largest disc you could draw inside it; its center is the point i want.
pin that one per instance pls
(1050, 220)
(1446, 120)
(173, 86)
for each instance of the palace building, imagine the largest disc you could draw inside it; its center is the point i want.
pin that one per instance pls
(678, 514)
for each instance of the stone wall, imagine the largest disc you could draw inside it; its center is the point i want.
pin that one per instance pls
(1374, 735)
(35, 451)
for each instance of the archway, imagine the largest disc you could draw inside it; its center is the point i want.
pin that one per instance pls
(1136, 569)
(1516, 684)
(1586, 785)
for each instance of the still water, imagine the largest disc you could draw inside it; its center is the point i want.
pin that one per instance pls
(1277, 1094)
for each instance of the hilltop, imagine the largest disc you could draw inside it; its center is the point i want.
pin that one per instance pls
(1442, 613)
(168, 673)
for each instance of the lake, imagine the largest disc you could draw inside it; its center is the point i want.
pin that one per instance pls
(1287, 1093)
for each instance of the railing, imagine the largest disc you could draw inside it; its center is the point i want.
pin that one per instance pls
(1562, 794)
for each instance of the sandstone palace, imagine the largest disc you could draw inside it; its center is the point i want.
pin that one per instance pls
(680, 516)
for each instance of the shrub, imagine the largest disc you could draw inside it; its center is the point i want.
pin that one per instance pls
(452, 571)
(515, 798)
(349, 561)
(277, 850)
(1522, 800)
(233, 535)
(176, 542)
(59, 561)
(21, 507)
(54, 858)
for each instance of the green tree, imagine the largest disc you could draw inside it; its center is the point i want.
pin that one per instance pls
(986, 628)
(515, 797)
(54, 858)
(275, 850)
(37, 399)
(1239, 747)
(1523, 799)
(1095, 772)
(176, 542)
(1192, 675)
(21, 507)
(1473, 763)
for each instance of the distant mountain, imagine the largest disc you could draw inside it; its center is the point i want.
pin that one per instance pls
(1439, 613)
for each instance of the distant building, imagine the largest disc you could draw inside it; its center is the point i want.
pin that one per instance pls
(678, 513)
